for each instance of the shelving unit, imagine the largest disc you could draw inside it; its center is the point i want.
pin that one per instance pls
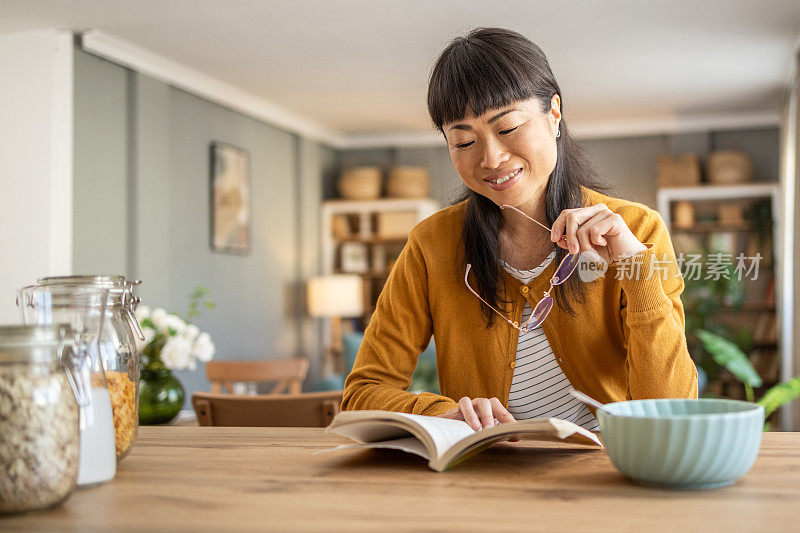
(756, 312)
(365, 224)
(666, 196)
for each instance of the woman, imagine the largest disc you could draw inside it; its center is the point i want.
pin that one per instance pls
(477, 275)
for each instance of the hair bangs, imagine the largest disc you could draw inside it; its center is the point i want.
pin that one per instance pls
(471, 78)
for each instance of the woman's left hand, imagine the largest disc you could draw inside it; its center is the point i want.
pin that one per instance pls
(596, 228)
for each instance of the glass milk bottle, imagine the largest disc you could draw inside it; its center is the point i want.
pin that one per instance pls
(83, 311)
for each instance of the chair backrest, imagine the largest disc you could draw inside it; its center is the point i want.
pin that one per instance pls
(288, 373)
(313, 409)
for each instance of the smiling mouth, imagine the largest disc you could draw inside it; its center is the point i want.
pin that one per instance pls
(505, 178)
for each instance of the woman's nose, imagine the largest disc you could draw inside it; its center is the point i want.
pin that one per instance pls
(494, 154)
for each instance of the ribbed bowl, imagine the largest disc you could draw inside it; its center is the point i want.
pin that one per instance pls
(702, 443)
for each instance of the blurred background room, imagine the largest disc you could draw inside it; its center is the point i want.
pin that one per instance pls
(259, 164)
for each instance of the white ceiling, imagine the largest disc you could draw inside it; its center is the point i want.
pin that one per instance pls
(362, 66)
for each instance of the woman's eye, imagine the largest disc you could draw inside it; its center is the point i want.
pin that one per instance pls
(503, 132)
(464, 145)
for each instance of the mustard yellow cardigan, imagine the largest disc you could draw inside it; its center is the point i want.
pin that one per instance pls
(626, 341)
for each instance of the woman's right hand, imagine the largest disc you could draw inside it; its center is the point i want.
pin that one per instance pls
(479, 413)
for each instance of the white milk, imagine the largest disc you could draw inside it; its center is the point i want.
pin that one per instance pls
(98, 462)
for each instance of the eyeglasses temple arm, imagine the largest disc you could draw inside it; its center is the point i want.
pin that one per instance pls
(505, 206)
(466, 275)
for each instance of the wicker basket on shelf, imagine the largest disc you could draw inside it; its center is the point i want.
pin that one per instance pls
(408, 182)
(729, 167)
(360, 183)
(682, 171)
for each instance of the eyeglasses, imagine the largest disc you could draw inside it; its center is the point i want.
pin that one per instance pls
(543, 307)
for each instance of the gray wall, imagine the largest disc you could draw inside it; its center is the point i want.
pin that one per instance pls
(100, 167)
(317, 164)
(628, 165)
(142, 153)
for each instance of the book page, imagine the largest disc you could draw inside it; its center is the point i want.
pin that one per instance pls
(550, 429)
(437, 434)
(408, 444)
(444, 432)
(366, 431)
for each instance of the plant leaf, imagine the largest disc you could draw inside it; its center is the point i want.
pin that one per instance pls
(780, 395)
(727, 354)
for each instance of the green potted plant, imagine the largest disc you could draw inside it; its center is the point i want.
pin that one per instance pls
(728, 355)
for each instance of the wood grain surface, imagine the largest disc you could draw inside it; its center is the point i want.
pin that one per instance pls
(222, 479)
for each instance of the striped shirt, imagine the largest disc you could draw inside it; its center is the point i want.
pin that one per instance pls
(539, 388)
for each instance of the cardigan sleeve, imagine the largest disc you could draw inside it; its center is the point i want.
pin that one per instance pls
(658, 360)
(399, 331)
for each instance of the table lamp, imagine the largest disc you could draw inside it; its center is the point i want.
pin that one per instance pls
(335, 296)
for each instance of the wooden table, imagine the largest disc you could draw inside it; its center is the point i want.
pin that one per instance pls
(210, 478)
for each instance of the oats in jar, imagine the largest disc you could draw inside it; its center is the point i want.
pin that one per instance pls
(39, 451)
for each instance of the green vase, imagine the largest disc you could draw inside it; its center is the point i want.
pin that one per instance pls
(161, 396)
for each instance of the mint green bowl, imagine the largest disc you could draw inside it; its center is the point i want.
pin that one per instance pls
(685, 444)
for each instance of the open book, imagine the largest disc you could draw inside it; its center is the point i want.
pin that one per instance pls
(442, 441)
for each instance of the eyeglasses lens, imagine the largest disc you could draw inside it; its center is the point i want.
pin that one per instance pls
(540, 312)
(566, 268)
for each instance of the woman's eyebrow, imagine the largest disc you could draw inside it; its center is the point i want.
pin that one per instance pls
(502, 114)
(496, 117)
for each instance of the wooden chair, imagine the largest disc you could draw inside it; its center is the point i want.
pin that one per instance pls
(314, 409)
(288, 373)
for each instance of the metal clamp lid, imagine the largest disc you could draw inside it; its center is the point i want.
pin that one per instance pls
(129, 305)
(28, 344)
(117, 285)
(91, 279)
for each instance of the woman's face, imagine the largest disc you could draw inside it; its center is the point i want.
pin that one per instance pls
(506, 154)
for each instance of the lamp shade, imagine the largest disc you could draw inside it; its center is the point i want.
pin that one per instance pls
(338, 295)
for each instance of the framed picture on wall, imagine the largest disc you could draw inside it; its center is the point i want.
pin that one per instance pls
(231, 220)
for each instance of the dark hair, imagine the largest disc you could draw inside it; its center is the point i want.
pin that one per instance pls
(487, 69)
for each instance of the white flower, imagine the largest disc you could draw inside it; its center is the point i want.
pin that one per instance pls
(176, 354)
(149, 333)
(190, 333)
(142, 312)
(176, 323)
(159, 318)
(203, 348)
